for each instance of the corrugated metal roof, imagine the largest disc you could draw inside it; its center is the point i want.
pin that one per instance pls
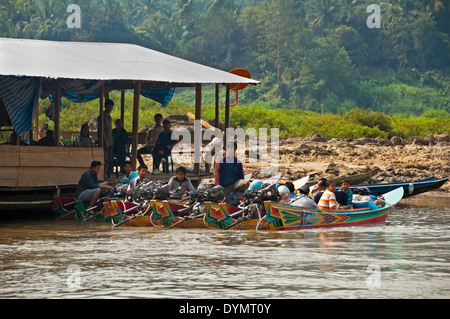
(103, 61)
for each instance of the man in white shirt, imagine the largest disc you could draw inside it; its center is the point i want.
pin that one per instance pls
(129, 173)
(142, 174)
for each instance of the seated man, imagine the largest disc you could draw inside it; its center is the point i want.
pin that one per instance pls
(150, 138)
(291, 188)
(230, 174)
(47, 140)
(303, 200)
(320, 189)
(89, 190)
(179, 185)
(163, 146)
(142, 174)
(284, 193)
(129, 173)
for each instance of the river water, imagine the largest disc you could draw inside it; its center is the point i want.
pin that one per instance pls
(407, 258)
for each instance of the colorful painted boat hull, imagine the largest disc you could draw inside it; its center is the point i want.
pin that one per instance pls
(221, 216)
(163, 215)
(286, 217)
(146, 221)
(61, 205)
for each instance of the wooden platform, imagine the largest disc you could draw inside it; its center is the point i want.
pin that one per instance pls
(31, 175)
(41, 166)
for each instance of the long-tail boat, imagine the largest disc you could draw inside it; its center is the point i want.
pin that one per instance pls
(410, 188)
(277, 216)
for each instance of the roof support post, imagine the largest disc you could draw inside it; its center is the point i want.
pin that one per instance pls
(100, 118)
(56, 101)
(122, 105)
(197, 128)
(137, 94)
(216, 120)
(227, 112)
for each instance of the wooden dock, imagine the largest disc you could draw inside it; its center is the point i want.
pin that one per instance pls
(31, 175)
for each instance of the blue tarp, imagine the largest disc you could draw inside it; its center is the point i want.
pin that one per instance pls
(162, 96)
(20, 96)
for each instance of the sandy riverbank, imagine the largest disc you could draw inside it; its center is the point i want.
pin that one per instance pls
(395, 159)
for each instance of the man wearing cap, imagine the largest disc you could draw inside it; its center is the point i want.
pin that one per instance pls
(303, 200)
(217, 152)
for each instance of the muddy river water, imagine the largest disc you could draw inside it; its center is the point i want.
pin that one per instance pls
(409, 257)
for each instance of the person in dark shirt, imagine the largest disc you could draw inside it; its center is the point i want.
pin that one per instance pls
(230, 173)
(163, 146)
(47, 140)
(88, 189)
(120, 136)
(320, 188)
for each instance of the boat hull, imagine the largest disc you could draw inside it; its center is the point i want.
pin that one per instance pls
(221, 216)
(146, 221)
(286, 217)
(410, 188)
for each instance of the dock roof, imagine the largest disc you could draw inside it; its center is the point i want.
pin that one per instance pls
(104, 62)
(79, 69)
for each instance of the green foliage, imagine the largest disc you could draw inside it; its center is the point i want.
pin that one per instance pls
(315, 56)
(432, 113)
(355, 123)
(420, 126)
(369, 119)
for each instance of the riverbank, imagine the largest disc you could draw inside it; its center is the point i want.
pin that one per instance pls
(394, 160)
(389, 160)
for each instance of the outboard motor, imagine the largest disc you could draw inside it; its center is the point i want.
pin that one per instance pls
(161, 191)
(207, 192)
(120, 190)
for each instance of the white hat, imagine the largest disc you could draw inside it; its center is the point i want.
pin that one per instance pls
(283, 191)
(216, 142)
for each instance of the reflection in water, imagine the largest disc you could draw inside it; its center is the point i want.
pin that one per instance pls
(48, 259)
